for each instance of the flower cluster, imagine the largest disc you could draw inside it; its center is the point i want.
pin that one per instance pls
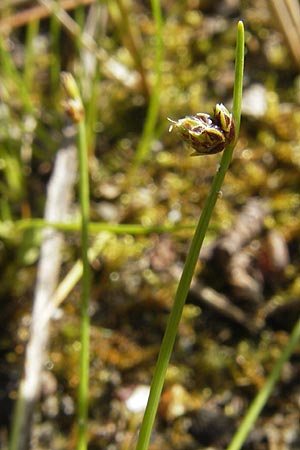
(205, 134)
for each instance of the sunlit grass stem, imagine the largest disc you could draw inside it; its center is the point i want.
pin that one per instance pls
(263, 395)
(11, 73)
(153, 108)
(55, 33)
(10, 228)
(29, 54)
(265, 392)
(85, 320)
(74, 107)
(189, 267)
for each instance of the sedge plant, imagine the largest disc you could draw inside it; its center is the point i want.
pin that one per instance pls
(192, 257)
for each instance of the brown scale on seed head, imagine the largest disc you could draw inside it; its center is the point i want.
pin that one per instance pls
(205, 134)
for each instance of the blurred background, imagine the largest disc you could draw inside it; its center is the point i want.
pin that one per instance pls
(244, 299)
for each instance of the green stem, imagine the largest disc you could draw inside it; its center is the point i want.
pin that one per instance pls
(189, 267)
(29, 57)
(9, 228)
(85, 321)
(75, 109)
(153, 109)
(263, 395)
(55, 33)
(12, 74)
